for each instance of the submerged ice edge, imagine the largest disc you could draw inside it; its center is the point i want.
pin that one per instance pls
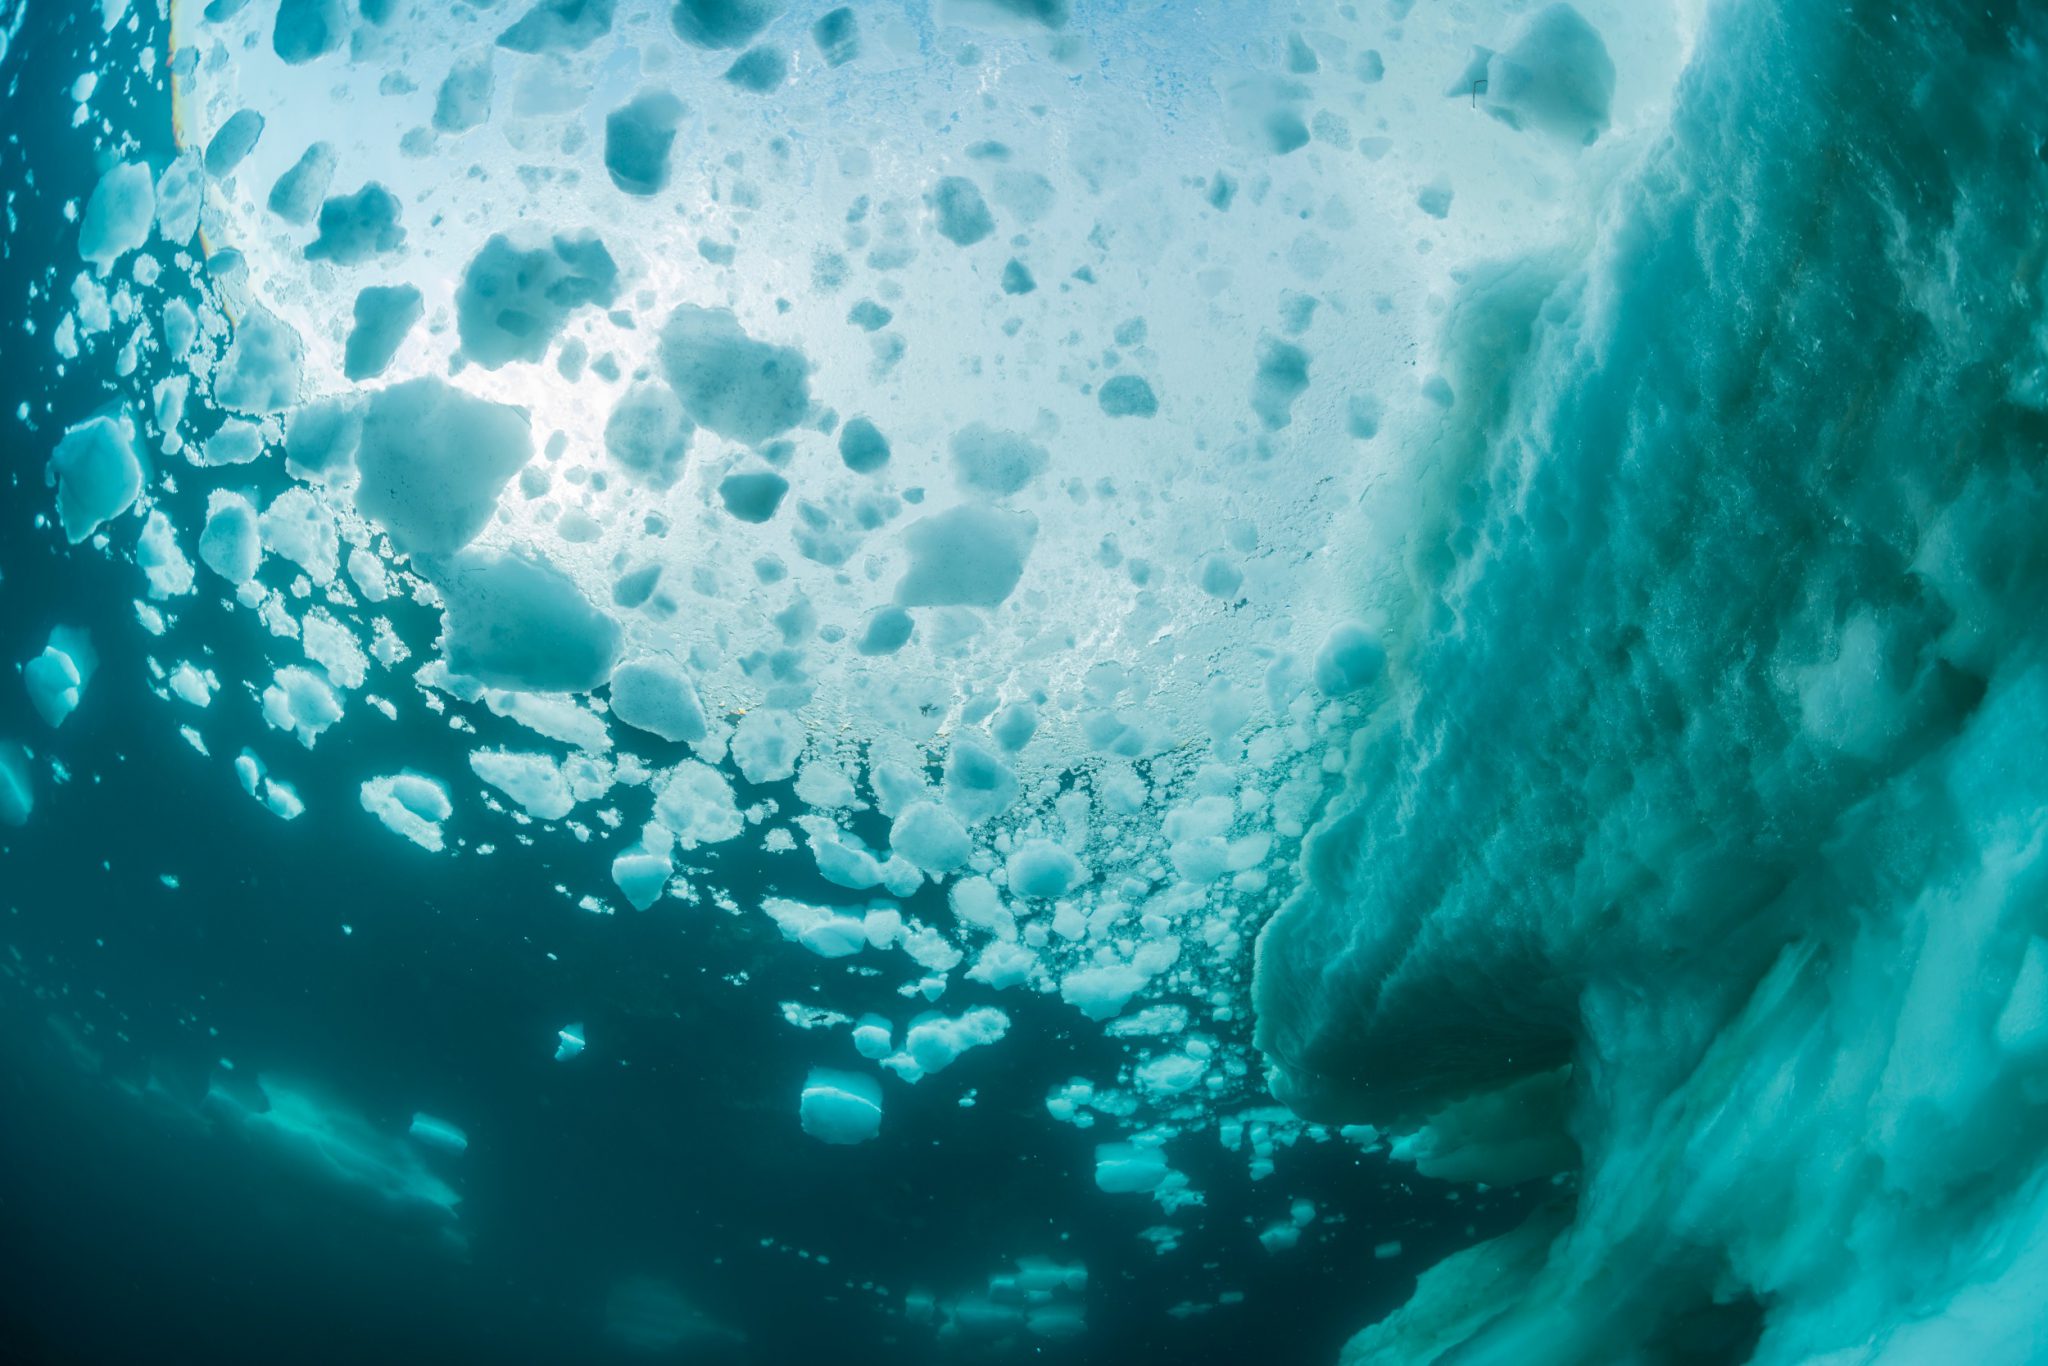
(1698, 839)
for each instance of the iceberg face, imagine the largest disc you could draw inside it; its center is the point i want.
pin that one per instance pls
(1423, 618)
(1712, 797)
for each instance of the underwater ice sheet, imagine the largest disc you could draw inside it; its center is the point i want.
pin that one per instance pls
(979, 680)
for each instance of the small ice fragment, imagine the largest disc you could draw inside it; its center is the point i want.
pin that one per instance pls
(438, 1133)
(570, 1042)
(841, 1107)
(1128, 1169)
(56, 678)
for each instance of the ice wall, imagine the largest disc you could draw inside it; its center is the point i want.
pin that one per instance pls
(1698, 822)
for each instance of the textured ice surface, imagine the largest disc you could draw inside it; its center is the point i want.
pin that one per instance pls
(1696, 787)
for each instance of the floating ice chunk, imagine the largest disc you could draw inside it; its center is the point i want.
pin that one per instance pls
(1555, 77)
(837, 34)
(873, 1037)
(56, 679)
(1279, 1237)
(434, 460)
(647, 435)
(307, 30)
(1003, 964)
(375, 585)
(1281, 378)
(959, 211)
(181, 328)
(758, 69)
(168, 402)
(656, 696)
(812, 1017)
(767, 744)
(118, 216)
(322, 438)
(282, 800)
(94, 312)
(638, 137)
(17, 788)
(384, 314)
(1350, 658)
(1042, 870)
(410, 805)
(978, 785)
(1152, 1020)
(1101, 991)
(298, 526)
(745, 390)
(823, 785)
(559, 26)
(262, 369)
(513, 302)
(721, 23)
(358, 227)
(511, 621)
(1129, 1168)
(1170, 1074)
(931, 837)
(235, 443)
(438, 1133)
(822, 930)
(886, 630)
(696, 803)
(233, 142)
(180, 191)
(464, 99)
(163, 564)
(862, 447)
(642, 870)
(754, 495)
(96, 473)
(301, 702)
(277, 797)
(841, 1107)
(995, 462)
(842, 859)
(934, 1042)
(969, 556)
(1014, 725)
(231, 544)
(299, 192)
(569, 1042)
(1127, 396)
(534, 781)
